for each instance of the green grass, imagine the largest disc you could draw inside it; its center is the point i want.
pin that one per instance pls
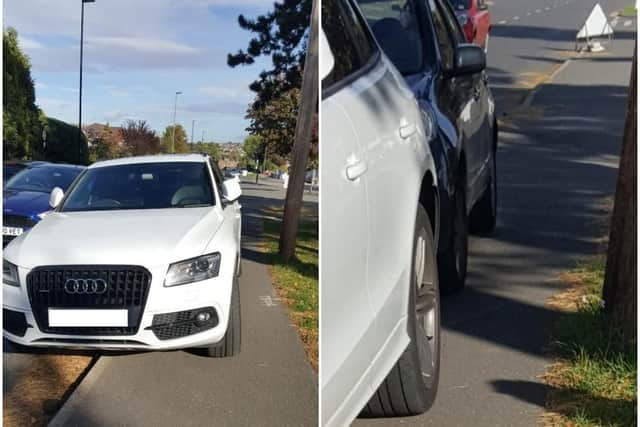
(594, 383)
(297, 280)
(629, 11)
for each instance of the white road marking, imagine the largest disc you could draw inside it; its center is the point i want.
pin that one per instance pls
(537, 10)
(627, 23)
(267, 301)
(516, 18)
(502, 22)
(546, 8)
(528, 13)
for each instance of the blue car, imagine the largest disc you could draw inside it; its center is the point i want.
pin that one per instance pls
(26, 196)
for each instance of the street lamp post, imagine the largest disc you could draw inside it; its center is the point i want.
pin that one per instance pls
(202, 137)
(80, 91)
(173, 132)
(193, 123)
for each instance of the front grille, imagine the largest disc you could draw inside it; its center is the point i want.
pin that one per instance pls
(180, 324)
(14, 322)
(84, 341)
(127, 288)
(17, 221)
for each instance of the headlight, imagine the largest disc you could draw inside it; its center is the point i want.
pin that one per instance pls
(193, 270)
(9, 274)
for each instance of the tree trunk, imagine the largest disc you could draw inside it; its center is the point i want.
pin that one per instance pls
(620, 283)
(302, 142)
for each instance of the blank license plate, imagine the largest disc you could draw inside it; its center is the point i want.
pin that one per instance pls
(12, 231)
(89, 318)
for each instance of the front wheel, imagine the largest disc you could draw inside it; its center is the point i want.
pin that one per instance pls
(230, 343)
(410, 387)
(453, 260)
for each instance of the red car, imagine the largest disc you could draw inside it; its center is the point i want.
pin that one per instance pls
(475, 20)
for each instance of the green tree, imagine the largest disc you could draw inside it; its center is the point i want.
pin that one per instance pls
(274, 123)
(252, 146)
(282, 35)
(181, 144)
(21, 123)
(62, 143)
(210, 148)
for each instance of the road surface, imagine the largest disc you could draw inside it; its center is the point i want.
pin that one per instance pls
(557, 165)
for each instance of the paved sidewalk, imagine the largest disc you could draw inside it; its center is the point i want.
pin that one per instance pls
(557, 165)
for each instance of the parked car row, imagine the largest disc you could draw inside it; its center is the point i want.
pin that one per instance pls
(26, 193)
(409, 116)
(134, 253)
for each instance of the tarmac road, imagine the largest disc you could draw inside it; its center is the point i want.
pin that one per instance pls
(269, 384)
(557, 165)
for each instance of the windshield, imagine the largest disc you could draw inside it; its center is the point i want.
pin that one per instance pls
(43, 179)
(142, 186)
(461, 4)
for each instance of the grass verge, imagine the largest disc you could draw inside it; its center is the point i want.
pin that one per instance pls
(297, 281)
(42, 390)
(593, 382)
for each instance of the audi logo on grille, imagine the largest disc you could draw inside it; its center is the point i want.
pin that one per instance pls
(86, 286)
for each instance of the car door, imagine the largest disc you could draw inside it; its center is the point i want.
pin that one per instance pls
(347, 325)
(391, 136)
(456, 96)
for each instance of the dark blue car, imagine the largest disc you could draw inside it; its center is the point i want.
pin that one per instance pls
(26, 196)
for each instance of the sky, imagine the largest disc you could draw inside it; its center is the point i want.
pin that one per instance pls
(137, 54)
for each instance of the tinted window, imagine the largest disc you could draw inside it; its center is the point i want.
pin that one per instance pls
(452, 23)
(44, 179)
(142, 186)
(442, 36)
(349, 41)
(394, 24)
(10, 170)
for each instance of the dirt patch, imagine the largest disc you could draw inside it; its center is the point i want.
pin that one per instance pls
(36, 398)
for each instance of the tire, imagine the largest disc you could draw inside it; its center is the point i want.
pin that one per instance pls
(411, 386)
(485, 212)
(230, 344)
(453, 260)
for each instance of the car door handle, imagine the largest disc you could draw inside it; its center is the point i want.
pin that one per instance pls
(356, 169)
(407, 129)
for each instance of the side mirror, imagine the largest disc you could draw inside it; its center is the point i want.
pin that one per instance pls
(326, 56)
(469, 59)
(56, 197)
(231, 190)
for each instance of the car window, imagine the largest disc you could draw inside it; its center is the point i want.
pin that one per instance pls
(451, 22)
(461, 4)
(142, 186)
(43, 179)
(217, 176)
(442, 36)
(350, 42)
(394, 24)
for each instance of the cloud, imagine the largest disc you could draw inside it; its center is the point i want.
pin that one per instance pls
(225, 92)
(54, 104)
(142, 45)
(218, 107)
(28, 44)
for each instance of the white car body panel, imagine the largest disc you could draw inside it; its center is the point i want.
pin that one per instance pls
(367, 233)
(153, 239)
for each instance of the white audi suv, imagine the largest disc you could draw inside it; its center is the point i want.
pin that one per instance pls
(380, 323)
(141, 253)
